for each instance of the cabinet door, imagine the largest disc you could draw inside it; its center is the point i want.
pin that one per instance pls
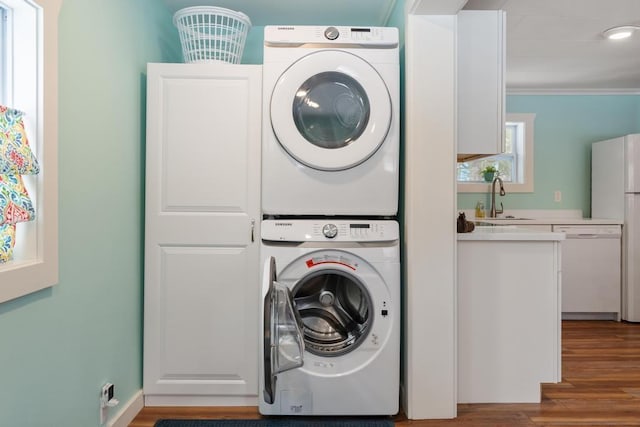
(481, 90)
(201, 236)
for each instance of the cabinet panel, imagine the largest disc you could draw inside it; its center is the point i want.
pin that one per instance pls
(202, 214)
(203, 320)
(508, 320)
(481, 88)
(204, 143)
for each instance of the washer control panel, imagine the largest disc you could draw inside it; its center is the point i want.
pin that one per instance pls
(330, 231)
(325, 230)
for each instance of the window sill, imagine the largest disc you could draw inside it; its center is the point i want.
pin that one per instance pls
(24, 277)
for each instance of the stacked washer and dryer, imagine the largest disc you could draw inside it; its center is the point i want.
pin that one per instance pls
(330, 335)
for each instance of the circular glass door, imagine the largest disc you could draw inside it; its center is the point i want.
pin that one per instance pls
(336, 311)
(330, 110)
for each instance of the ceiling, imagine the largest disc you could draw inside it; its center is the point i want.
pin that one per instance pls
(552, 45)
(557, 45)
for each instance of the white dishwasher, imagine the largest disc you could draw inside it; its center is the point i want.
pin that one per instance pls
(591, 285)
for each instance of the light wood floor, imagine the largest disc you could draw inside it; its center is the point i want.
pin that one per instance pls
(600, 386)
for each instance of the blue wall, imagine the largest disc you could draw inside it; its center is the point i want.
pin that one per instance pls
(60, 345)
(254, 45)
(565, 127)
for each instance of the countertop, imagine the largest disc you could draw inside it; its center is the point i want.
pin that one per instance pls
(548, 221)
(542, 217)
(509, 233)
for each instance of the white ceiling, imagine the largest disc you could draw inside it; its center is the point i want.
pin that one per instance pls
(557, 45)
(552, 45)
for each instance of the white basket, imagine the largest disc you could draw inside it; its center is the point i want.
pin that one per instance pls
(209, 33)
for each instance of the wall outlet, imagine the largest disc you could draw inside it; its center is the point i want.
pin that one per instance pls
(557, 196)
(107, 401)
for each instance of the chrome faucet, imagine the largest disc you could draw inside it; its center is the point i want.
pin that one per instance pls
(494, 212)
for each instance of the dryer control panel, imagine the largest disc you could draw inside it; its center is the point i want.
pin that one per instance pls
(299, 35)
(328, 230)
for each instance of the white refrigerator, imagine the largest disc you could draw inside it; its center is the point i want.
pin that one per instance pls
(615, 194)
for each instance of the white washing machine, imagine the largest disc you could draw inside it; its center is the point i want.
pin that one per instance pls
(331, 121)
(330, 335)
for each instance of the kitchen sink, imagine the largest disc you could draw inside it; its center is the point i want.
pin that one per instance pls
(507, 218)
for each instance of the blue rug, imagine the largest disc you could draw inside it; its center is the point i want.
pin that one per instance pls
(282, 422)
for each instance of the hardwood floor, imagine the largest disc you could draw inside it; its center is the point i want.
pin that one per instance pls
(600, 386)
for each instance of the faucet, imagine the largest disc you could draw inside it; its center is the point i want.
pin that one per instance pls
(494, 212)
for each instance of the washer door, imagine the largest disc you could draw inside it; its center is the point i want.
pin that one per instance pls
(283, 346)
(330, 110)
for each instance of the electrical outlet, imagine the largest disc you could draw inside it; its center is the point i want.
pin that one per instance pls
(107, 393)
(557, 196)
(106, 401)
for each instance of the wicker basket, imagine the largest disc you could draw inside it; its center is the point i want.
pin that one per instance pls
(209, 33)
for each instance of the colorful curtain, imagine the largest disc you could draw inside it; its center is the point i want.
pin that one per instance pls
(16, 159)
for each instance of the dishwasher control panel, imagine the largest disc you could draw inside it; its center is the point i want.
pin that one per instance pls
(575, 231)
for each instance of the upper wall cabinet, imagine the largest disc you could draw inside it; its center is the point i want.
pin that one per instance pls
(296, 12)
(481, 83)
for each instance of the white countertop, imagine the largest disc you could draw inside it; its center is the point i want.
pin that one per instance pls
(542, 217)
(509, 232)
(548, 221)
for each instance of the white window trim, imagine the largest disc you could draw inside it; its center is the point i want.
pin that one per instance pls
(527, 187)
(37, 94)
(3, 51)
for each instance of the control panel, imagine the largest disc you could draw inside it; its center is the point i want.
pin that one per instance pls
(286, 35)
(328, 230)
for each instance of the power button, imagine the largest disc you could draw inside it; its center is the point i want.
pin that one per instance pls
(331, 33)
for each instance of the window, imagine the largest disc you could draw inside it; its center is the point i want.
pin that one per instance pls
(515, 165)
(28, 82)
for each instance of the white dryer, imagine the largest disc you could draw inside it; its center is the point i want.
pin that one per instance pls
(331, 121)
(330, 335)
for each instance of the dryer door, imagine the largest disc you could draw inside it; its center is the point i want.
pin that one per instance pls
(283, 343)
(331, 110)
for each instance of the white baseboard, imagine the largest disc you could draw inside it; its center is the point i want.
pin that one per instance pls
(198, 400)
(128, 411)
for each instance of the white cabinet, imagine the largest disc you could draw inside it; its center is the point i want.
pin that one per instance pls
(508, 319)
(481, 88)
(201, 234)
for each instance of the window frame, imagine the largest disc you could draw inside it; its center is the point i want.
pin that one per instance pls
(4, 35)
(35, 91)
(510, 187)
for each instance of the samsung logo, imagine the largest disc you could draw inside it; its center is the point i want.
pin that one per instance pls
(284, 224)
(286, 28)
